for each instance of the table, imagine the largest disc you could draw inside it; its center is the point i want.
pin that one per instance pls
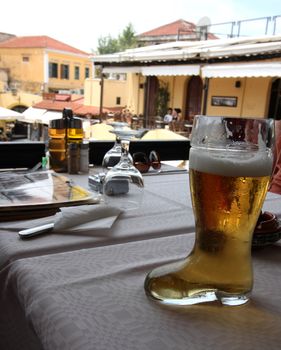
(156, 217)
(56, 295)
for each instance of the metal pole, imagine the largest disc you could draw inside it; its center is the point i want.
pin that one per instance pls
(205, 97)
(146, 100)
(101, 92)
(274, 24)
(238, 31)
(267, 22)
(232, 29)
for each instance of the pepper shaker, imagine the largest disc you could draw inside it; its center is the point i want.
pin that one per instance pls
(73, 158)
(84, 157)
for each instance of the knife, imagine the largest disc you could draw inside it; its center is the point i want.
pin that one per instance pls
(36, 231)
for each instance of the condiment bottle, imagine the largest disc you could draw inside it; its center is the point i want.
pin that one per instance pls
(84, 157)
(57, 145)
(73, 158)
(74, 127)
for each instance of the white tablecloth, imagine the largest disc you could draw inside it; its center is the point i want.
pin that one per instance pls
(54, 295)
(94, 299)
(165, 210)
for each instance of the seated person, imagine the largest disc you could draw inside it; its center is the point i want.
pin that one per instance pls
(176, 114)
(168, 117)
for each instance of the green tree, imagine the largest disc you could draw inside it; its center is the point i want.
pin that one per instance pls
(107, 45)
(127, 40)
(124, 41)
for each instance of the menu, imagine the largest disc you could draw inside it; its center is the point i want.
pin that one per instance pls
(37, 194)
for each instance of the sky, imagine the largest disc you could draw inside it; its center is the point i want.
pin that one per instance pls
(81, 23)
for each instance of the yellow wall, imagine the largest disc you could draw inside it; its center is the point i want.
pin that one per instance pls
(178, 95)
(112, 90)
(31, 75)
(115, 88)
(131, 92)
(252, 96)
(10, 100)
(135, 93)
(72, 61)
(92, 92)
(256, 97)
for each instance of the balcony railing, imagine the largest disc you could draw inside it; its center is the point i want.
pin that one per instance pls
(270, 25)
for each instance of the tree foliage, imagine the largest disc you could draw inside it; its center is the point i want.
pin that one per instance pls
(124, 41)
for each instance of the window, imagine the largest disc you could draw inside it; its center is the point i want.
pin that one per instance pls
(64, 71)
(76, 72)
(87, 72)
(118, 100)
(53, 70)
(25, 59)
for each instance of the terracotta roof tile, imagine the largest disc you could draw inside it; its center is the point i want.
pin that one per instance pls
(53, 105)
(170, 28)
(173, 29)
(77, 108)
(39, 42)
(84, 110)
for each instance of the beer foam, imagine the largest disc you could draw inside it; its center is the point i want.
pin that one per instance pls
(231, 163)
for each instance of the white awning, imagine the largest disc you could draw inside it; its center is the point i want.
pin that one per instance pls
(266, 69)
(157, 70)
(8, 114)
(31, 115)
(39, 115)
(122, 70)
(50, 115)
(172, 70)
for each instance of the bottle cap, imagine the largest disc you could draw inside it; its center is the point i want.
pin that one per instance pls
(75, 123)
(58, 124)
(84, 145)
(67, 113)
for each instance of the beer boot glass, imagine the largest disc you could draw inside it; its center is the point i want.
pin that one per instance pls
(230, 167)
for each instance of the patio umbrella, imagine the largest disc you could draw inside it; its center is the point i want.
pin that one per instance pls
(101, 132)
(9, 114)
(162, 134)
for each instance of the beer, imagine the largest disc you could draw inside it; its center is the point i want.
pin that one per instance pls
(227, 190)
(226, 209)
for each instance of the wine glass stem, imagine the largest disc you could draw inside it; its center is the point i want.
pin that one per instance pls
(125, 145)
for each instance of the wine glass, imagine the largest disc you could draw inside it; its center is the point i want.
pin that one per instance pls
(112, 157)
(123, 184)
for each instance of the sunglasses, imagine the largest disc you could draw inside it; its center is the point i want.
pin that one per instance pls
(143, 163)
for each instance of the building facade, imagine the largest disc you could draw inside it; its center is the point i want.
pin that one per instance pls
(37, 64)
(232, 77)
